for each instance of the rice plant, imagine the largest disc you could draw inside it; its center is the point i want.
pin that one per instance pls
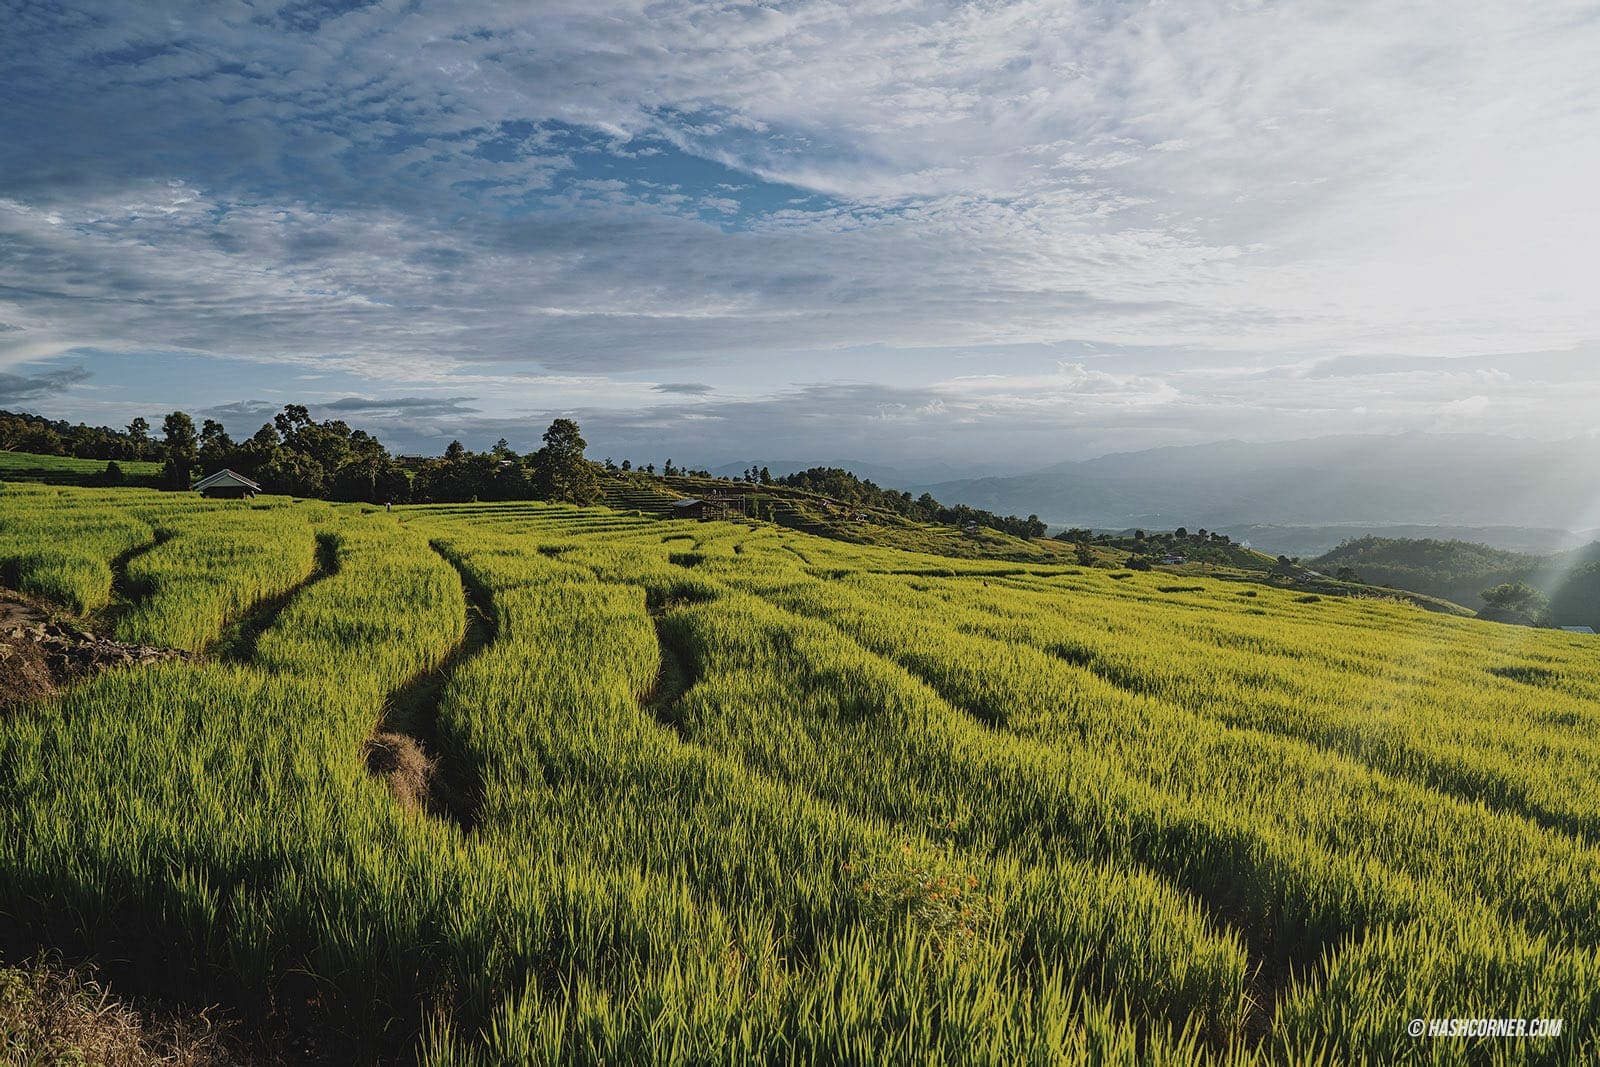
(728, 793)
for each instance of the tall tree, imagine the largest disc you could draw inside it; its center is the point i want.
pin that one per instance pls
(1517, 602)
(216, 447)
(139, 434)
(560, 470)
(182, 454)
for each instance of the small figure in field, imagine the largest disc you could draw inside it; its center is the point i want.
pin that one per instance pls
(388, 505)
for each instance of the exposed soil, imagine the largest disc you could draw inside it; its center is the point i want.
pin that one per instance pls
(40, 654)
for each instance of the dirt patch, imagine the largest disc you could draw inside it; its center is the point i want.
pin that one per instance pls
(39, 654)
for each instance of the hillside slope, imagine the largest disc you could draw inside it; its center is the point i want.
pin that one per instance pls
(534, 783)
(65, 470)
(1462, 571)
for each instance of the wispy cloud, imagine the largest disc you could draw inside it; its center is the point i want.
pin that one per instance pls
(24, 388)
(700, 194)
(421, 406)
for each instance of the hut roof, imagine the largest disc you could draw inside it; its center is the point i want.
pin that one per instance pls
(226, 477)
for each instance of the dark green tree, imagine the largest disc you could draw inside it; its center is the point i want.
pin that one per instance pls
(291, 419)
(1576, 600)
(254, 455)
(216, 447)
(560, 471)
(181, 449)
(1517, 602)
(139, 434)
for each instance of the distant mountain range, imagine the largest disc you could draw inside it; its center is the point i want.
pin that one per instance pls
(1452, 484)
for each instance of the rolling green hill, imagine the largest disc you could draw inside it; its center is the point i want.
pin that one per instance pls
(823, 516)
(530, 783)
(1461, 571)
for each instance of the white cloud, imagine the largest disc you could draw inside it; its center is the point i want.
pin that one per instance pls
(1274, 184)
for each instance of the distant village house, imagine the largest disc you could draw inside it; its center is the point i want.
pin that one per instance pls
(715, 507)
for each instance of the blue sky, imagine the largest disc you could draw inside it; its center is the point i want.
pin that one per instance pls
(993, 235)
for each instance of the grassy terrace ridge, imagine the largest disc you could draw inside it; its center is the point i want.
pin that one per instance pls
(728, 792)
(815, 514)
(808, 512)
(66, 470)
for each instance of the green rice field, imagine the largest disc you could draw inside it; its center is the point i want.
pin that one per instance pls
(729, 793)
(67, 470)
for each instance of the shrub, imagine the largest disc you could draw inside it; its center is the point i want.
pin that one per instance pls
(930, 892)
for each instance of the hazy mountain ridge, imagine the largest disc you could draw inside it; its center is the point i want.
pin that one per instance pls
(1466, 480)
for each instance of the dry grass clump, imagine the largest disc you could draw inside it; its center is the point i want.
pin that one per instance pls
(51, 1015)
(400, 761)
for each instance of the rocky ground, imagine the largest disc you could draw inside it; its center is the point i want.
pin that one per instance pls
(39, 654)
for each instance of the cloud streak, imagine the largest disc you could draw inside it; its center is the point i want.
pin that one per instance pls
(691, 200)
(26, 388)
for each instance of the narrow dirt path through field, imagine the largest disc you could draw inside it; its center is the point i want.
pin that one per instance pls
(237, 643)
(408, 750)
(125, 592)
(679, 669)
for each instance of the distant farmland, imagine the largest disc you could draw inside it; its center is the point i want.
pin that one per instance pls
(726, 792)
(67, 470)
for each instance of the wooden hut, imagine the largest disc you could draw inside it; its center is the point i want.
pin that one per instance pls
(227, 485)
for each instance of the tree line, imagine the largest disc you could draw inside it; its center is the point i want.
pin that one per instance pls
(296, 455)
(844, 487)
(22, 432)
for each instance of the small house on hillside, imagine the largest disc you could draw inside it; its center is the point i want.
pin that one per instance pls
(1577, 629)
(713, 507)
(226, 485)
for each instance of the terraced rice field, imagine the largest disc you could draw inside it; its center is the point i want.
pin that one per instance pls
(727, 793)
